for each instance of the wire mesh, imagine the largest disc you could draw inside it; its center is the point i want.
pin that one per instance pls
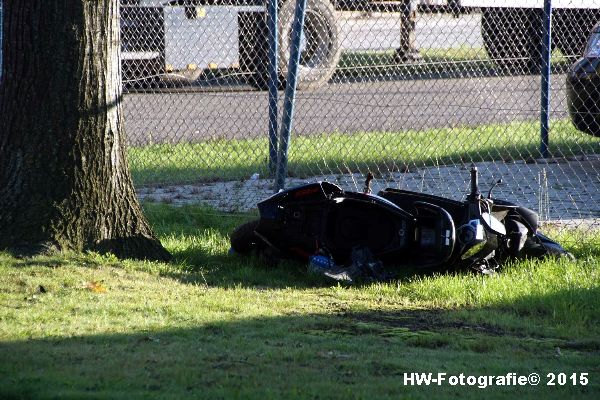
(1, 19)
(414, 92)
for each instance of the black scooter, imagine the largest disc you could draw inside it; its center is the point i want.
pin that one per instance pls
(396, 227)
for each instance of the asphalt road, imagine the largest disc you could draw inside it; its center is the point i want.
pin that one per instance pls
(345, 107)
(368, 100)
(432, 31)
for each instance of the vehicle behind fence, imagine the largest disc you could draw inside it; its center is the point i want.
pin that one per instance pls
(414, 92)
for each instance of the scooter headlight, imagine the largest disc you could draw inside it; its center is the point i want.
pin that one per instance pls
(473, 250)
(472, 237)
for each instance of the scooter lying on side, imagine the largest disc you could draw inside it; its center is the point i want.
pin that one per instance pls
(331, 227)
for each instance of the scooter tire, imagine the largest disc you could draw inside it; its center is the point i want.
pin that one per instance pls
(243, 239)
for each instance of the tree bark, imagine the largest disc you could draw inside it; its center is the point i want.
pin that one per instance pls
(64, 179)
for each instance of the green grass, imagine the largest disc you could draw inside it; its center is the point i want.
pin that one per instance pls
(461, 61)
(339, 152)
(373, 64)
(210, 325)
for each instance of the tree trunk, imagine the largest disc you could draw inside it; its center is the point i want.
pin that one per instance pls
(64, 178)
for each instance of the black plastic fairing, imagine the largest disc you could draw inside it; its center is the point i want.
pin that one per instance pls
(365, 221)
(405, 199)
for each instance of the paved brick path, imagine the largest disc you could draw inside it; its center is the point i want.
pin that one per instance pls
(560, 190)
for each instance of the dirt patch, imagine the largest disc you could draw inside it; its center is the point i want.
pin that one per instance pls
(424, 320)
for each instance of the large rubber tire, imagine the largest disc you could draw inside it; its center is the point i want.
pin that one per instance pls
(571, 28)
(320, 48)
(512, 39)
(243, 239)
(320, 51)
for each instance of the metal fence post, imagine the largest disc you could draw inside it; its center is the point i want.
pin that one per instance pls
(1, 28)
(290, 95)
(272, 21)
(545, 88)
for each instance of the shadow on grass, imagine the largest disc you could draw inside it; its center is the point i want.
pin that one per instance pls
(338, 349)
(340, 353)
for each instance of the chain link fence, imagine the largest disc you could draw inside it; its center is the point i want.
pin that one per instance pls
(414, 92)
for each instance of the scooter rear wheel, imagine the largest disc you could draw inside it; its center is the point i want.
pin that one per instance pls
(243, 239)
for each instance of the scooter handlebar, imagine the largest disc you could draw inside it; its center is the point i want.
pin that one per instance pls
(474, 195)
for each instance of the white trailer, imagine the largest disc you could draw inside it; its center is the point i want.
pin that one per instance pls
(512, 30)
(182, 37)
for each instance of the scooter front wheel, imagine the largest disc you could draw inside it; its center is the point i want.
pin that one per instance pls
(243, 239)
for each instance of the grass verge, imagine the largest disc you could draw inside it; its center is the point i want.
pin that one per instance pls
(340, 152)
(211, 325)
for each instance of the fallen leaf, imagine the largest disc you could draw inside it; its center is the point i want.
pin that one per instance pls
(96, 287)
